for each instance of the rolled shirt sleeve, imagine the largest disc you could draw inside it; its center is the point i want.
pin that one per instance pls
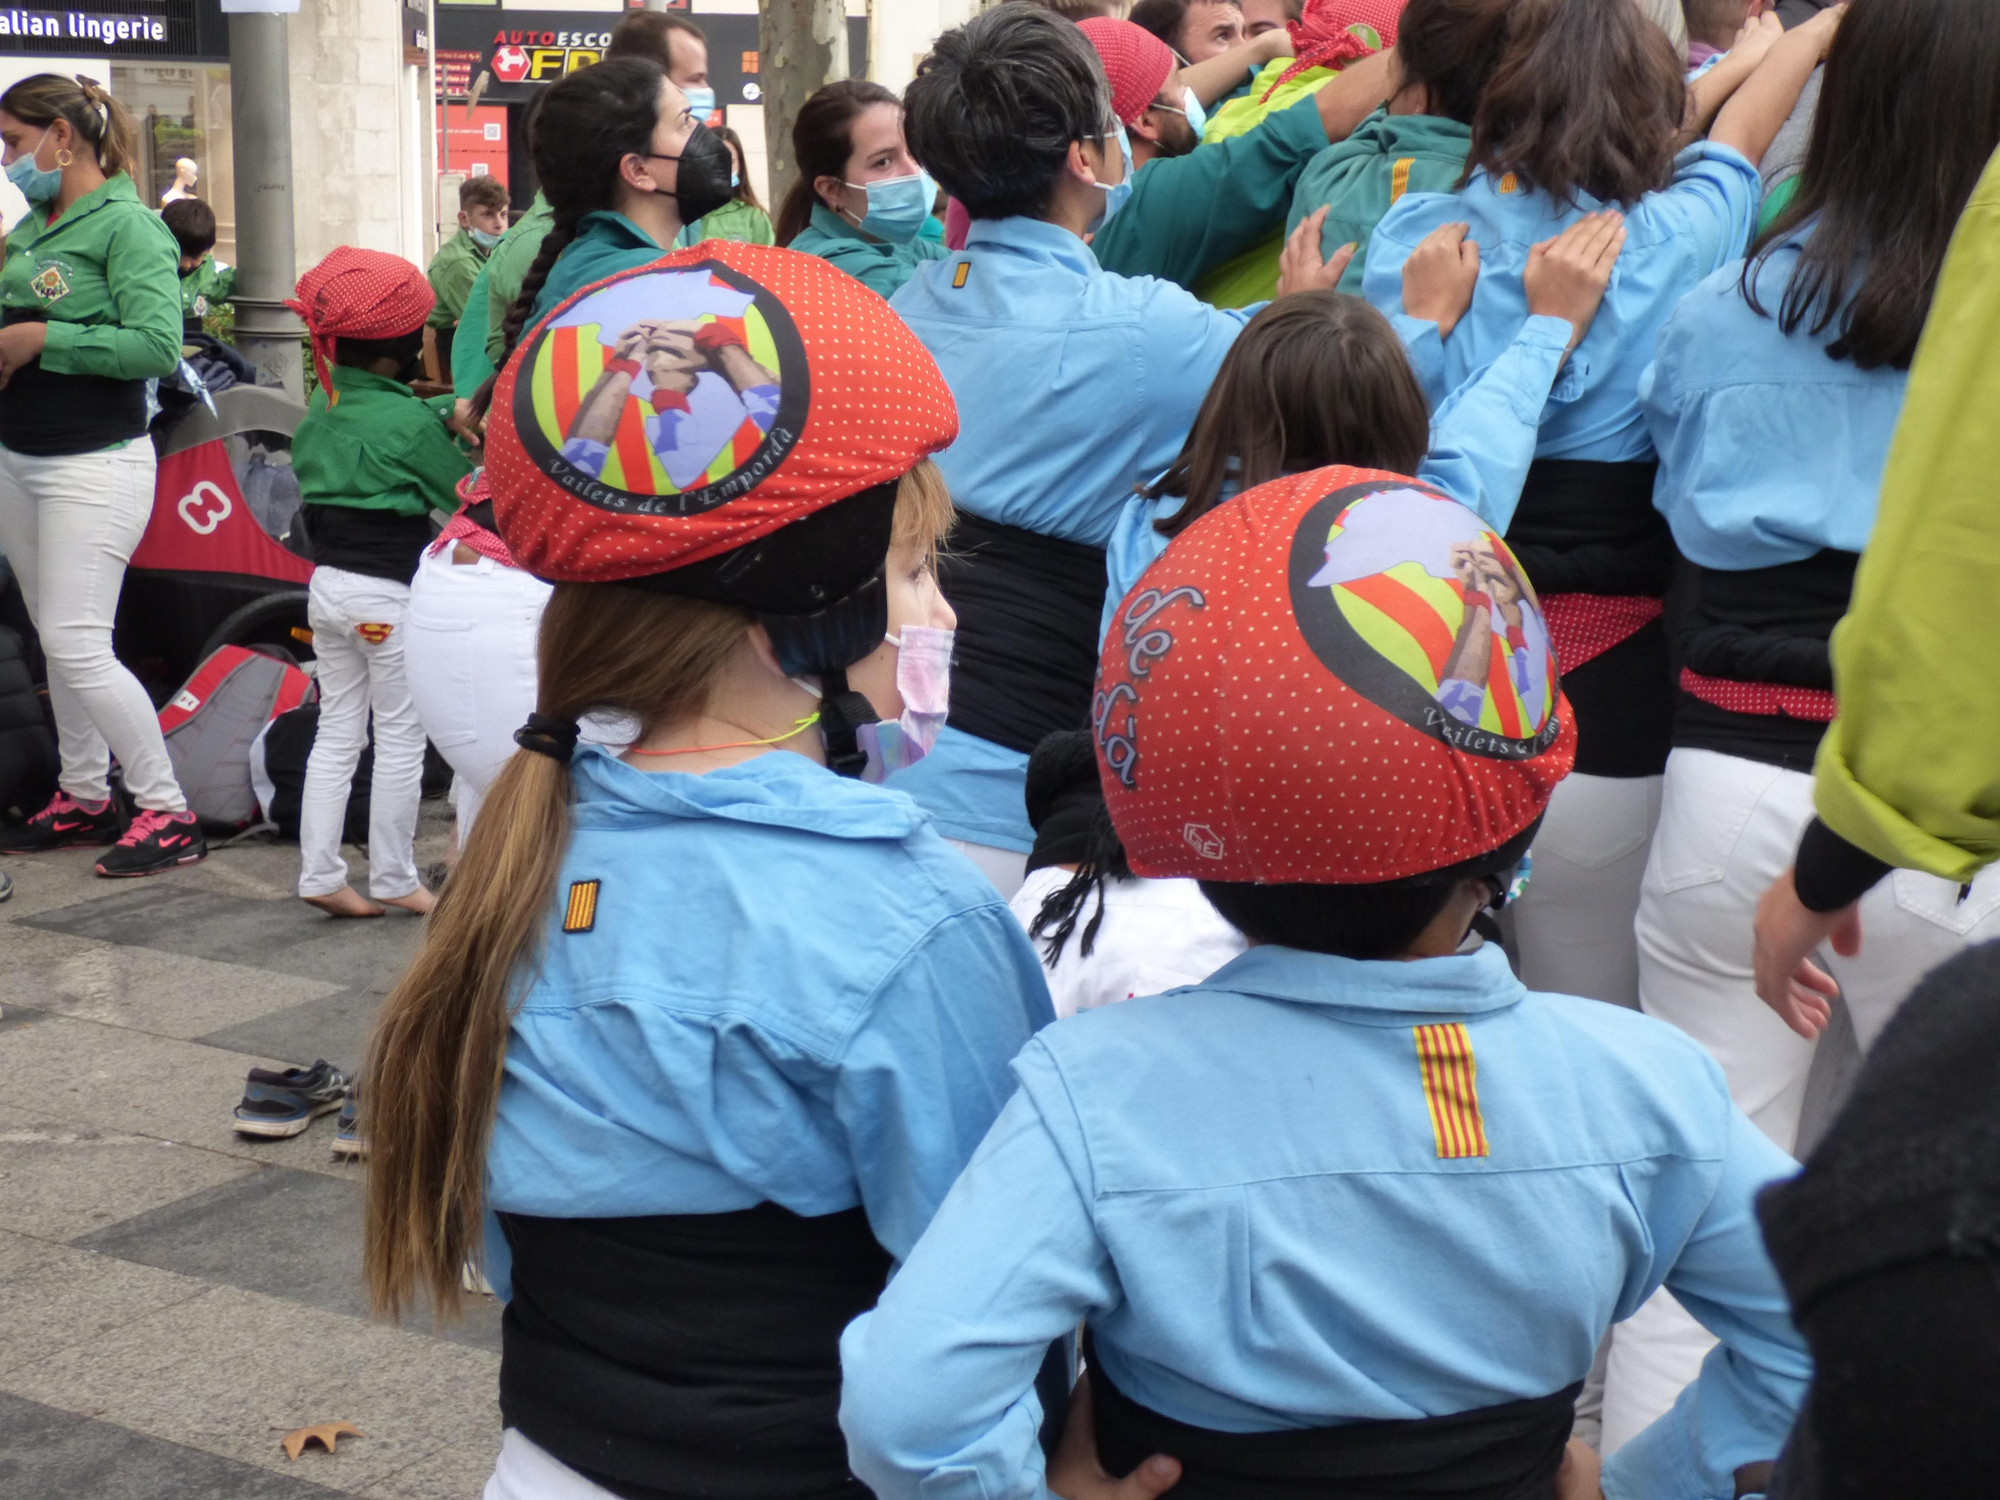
(1483, 437)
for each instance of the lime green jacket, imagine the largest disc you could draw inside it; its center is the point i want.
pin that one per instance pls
(1910, 770)
(105, 277)
(745, 223)
(452, 271)
(376, 446)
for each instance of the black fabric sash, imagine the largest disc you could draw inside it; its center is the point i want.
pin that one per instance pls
(1028, 607)
(48, 414)
(1584, 527)
(691, 1355)
(1508, 1452)
(1771, 624)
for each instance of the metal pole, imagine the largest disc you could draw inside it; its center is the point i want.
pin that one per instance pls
(260, 103)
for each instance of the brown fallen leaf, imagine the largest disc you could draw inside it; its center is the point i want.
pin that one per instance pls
(324, 1434)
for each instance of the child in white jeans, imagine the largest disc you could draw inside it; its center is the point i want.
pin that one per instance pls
(372, 462)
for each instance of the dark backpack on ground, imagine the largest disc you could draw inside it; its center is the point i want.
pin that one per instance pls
(28, 760)
(279, 766)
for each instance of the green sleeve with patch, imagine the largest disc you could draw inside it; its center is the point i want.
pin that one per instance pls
(1189, 214)
(143, 339)
(1908, 771)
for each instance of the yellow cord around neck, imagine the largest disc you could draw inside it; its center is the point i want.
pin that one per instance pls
(798, 728)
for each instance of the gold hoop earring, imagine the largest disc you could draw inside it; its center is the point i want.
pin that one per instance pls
(63, 158)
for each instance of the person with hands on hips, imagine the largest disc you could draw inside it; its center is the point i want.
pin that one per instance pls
(92, 312)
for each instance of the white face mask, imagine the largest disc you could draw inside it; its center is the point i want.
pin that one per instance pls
(923, 677)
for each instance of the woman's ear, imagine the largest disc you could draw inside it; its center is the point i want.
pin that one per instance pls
(828, 190)
(1080, 166)
(636, 172)
(758, 639)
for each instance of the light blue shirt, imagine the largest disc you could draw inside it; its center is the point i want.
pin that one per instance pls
(1769, 449)
(1482, 442)
(791, 991)
(1073, 386)
(1239, 1186)
(1673, 238)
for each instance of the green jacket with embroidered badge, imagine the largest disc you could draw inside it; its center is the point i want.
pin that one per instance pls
(204, 289)
(105, 277)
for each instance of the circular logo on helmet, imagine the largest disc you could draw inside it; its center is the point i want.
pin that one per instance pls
(664, 392)
(1416, 604)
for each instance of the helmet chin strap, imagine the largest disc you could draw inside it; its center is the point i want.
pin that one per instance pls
(842, 711)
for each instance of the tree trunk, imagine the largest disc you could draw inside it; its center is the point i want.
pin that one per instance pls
(804, 47)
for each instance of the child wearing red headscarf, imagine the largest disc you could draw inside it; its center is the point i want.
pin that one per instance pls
(372, 462)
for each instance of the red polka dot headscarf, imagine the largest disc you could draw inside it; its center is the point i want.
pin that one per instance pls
(359, 294)
(1339, 677)
(685, 409)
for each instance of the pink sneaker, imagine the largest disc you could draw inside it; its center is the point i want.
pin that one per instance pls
(64, 824)
(156, 841)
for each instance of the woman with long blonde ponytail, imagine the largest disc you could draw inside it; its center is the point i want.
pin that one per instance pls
(701, 1033)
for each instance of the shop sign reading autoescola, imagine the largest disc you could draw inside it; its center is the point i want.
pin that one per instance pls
(544, 56)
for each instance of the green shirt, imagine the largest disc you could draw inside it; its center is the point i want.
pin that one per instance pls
(1189, 214)
(1909, 771)
(470, 368)
(876, 264)
(209, 283)
(1357, 180)
(736, 220)
(452, 272)
(106, 278)
(507, 267)
(376, 447)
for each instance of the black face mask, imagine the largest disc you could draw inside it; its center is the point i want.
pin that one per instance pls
(702, 184)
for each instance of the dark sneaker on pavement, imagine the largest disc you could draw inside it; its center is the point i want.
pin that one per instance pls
(64, 824)
(347, 1140)
(155, 841)
(283, 1104)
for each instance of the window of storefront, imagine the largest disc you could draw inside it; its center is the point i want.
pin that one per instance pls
(182, 111)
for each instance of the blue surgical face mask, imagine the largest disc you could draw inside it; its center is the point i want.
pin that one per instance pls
(1191, 111)
(701, 100)
(897, 206)
(485, 239)
(735, 179)
(1116, 193)
(38, 184)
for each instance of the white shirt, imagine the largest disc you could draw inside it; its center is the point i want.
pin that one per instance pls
(1156, 935)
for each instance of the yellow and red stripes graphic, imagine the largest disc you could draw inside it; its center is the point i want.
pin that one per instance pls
(1444, 1053)
(580, 913)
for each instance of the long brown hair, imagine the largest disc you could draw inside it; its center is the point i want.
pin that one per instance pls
(1907, 81)
(98, 119)
(1316, 378)
(822, 142)
(744, 192)
(432, 1082)
(1587, 97)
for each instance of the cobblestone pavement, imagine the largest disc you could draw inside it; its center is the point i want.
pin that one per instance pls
(175, 1297)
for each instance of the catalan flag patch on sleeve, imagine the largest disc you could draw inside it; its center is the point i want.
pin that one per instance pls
(958, 277)
(1444, 1053)
(1399, 177)
(580, 915)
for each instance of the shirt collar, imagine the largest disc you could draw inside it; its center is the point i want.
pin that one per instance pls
(115, 188)
(1462, 985)
(775, 789)
(830, 224)
(348, 379)
(1036, 239)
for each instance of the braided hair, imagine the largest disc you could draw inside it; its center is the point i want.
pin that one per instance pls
(584, 125)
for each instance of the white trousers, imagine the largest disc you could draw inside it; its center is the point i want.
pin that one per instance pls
(1572, 927)
(1728, 828)
(527, 1471)
(470, 656)
(68, 525)
(358, 634)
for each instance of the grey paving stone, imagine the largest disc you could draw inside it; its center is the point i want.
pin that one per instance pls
(334, 1027)
(56, 1297)
(231, 1371)
(59, 1181)
(290, 937)
(286, 1234)
(47, 1454)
